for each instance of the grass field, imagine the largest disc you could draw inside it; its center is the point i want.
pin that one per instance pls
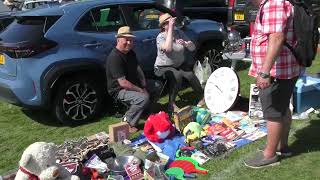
(19, 128)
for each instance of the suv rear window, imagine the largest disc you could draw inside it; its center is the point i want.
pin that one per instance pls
(241, 1)
(27, 28)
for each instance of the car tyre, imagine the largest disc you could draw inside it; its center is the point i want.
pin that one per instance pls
(213, 53)
(78, 101)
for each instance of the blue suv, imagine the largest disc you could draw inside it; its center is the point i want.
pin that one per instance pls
(54, 57)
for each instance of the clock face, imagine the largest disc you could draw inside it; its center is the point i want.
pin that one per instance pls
(221, 90)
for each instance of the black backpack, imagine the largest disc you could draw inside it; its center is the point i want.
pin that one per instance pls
(305, 27)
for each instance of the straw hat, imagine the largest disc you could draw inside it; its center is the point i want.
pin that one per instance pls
(164, 18)
(124, 31)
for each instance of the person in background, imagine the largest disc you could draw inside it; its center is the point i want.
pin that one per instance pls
(276, 71)
(171, 45)
(126, 81)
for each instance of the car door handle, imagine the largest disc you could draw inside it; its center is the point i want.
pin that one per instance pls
(148, 39)
(92, 45)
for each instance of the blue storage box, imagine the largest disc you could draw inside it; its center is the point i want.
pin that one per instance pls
(306, 94)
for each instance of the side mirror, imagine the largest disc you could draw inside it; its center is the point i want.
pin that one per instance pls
(184, 21)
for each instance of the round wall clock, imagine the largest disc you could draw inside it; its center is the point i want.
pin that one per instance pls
(221, 90)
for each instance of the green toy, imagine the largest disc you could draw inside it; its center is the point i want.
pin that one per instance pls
(202, 115)
(194, 162)
(193, 131)
(176, 172)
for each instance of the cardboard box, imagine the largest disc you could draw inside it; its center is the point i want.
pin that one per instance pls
(182, 118)
(118, 132)
(306, 94)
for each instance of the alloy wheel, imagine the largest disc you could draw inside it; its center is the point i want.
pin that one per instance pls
(214, 58)
(79, 101)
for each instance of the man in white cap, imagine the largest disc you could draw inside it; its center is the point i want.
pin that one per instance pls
(126, 80)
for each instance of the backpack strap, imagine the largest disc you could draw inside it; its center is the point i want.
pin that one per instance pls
(292, 2)
(260, 11)
(290, 48)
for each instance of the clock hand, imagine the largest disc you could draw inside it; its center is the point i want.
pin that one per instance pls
(218, 88)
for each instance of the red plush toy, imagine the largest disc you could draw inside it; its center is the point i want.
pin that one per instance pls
(158, 127)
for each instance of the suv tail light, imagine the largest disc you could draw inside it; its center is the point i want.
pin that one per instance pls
(28, 50)
(231, 3)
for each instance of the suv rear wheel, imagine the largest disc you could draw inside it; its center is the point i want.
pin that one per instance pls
(77, 101)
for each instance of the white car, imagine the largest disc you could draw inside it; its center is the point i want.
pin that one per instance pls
(30, 4)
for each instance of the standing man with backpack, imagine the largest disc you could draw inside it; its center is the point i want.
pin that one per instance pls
(276, 70)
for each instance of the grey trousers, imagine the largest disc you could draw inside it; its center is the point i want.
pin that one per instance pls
(139, 101)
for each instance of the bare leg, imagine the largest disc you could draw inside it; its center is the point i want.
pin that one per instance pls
(273, 138)
(287, 119)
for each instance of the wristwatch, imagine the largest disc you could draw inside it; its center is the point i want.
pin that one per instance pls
(264, 75)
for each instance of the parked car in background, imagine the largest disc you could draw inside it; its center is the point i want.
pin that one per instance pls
(204, 9)
(30, 4)
(7, 17)
(232, 13)
(55, 57)
(240, 14)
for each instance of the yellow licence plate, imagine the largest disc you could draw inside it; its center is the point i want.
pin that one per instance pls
(152, 16)
(2, 59)
(239, 16)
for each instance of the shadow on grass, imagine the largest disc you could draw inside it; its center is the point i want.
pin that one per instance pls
(42, 116)
(241, 65)
(45, 117)
(307, 138)
(242, 104)
(185, 98)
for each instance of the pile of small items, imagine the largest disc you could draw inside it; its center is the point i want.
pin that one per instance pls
(167, 148)
(73, 154)
(205, 136)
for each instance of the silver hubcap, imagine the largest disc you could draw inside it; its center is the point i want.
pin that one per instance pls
(79, 101)
(214, 58)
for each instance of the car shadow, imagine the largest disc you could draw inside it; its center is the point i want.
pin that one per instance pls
(45, 117)
(118, 110)
(42, 117)
(307, 139)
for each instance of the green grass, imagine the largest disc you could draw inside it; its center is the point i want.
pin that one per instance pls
(19, 128)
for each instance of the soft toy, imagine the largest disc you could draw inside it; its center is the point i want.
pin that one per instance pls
(158, 127)
(38, 163)
(202, 115)
(193, 131)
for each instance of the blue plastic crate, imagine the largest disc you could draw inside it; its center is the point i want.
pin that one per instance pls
(306, 94)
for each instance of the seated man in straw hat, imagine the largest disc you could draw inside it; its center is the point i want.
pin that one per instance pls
(126, 80)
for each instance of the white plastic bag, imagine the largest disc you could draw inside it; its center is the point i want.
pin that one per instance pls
(198, 71)
(202, 71)
(96, 163)
(206, 69)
